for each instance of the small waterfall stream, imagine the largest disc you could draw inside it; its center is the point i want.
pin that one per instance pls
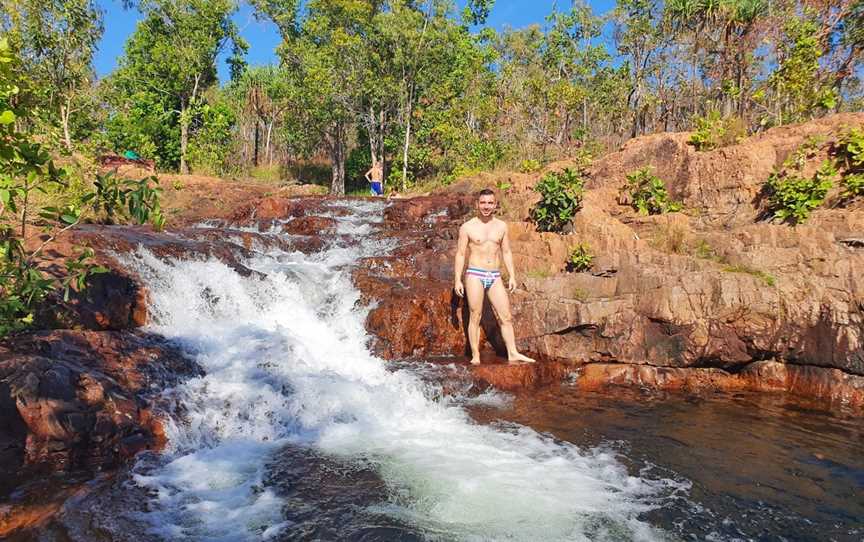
(287, 367)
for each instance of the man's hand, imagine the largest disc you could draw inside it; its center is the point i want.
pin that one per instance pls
(459, 288)
(511, 285)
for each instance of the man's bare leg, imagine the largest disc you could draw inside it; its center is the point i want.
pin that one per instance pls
(501, 304)
(474, 294)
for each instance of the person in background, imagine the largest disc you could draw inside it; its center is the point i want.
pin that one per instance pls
(375, 177)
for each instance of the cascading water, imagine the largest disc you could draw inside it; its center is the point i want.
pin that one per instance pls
(287, 365)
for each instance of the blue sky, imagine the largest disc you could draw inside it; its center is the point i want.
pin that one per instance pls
(263, 37)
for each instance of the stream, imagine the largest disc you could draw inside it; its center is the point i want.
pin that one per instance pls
(297, 431)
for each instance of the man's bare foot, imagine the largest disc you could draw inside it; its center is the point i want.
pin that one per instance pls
(475, 361)
(520, 358)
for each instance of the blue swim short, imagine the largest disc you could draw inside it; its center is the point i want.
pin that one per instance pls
(377, 188)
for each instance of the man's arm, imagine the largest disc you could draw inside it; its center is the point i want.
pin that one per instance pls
(508, 260)
(459, 264)
(367, 175)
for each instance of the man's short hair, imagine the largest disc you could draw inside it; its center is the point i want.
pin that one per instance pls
(486, 192)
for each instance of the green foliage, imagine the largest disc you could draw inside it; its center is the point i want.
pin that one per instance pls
(210, 148)
(580, 258)
(168, 64)
(358, 163)
(116, 199)
(705, 251)
(648, 194)
(529, 166)
(850, 156)
(714, 131)
(853, 186)
(560, 199)
(56, 40)
(796, 82)
(25, 168)
(792, 197)
(850, 148)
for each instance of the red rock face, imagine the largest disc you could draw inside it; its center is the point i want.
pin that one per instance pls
(661, 317)
(79, 396)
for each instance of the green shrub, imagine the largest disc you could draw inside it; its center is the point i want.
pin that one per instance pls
(358, 163)
(713, 131)
(560, 199)
(648, 194)
(580, 258)
(853, 186)
(850, 154)
(116, 198)
(529, 166)
(850, 148)
(792, 198)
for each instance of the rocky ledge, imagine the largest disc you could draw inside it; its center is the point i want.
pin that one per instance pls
(715, 297)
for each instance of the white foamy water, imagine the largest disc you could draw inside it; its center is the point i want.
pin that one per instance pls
(287, 362)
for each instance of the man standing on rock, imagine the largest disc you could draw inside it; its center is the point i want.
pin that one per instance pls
(485, 238)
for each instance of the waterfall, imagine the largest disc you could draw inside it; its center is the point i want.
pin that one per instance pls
(287, 363)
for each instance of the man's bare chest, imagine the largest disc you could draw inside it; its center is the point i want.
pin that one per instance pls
(482, 236)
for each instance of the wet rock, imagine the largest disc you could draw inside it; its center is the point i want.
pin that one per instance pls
(309, 225)
(523, 376)
(80, 397)
(428, 211)
(830, 385)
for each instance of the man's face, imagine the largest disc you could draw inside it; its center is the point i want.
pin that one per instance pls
(486, 205)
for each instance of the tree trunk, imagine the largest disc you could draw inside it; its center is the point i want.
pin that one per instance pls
(336, 146)
(409, 112)
(184, 138)
(65, 112)
(267, 150)
(257, 138)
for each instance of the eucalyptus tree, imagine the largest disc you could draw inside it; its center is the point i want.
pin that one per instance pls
(327, 58)
(171, 57)
(639, 37)
(56, 40)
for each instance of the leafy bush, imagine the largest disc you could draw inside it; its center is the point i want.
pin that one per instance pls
(358, 163)
(713, 131)
(580, 258)
(850, 154)
(529, 166)
(210, 146)
(648, 194)
(853, 186)
(26, 168)
(560, 199)
(792, 198)
(851, 148)
(127, 198)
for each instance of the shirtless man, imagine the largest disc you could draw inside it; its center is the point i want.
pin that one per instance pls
(375, 177)
(486, 237)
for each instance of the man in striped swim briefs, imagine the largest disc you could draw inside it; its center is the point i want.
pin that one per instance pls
(484, 240)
